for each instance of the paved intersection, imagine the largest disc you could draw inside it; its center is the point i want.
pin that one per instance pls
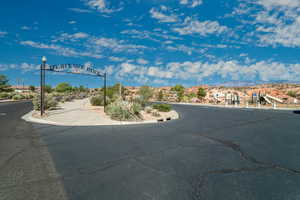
(210, 153)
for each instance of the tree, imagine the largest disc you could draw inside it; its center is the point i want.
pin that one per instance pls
(201, 93)
(192, 95)
(63, 87)
(179, 89)
(113, 92)
(160, 95)
(31, 88)
(145, 93)
(82, 89)
(4, 87)
(292, 94)
(48, 89)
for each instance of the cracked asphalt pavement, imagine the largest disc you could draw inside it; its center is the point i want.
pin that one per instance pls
(209, 153)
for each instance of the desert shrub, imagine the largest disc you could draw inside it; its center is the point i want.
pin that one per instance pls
(58, 98)
(148, 110)
(155, 114)
(98, 100)
(145, 94)
(292, 94)
(67, 98)
(28, 96)
(50, 102)
(81, 95)
(162, 107)
(4, 95)
(123, 111)
(18, 97)
(136, 108)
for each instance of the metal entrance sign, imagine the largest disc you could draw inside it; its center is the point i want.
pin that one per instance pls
(75, 69)
(67, 68)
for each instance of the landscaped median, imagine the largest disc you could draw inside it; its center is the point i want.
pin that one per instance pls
(80, 112)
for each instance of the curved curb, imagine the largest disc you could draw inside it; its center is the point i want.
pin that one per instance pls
(232, 107)
(29, 118)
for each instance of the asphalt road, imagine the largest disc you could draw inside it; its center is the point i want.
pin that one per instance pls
(26, 168)
(209, 153)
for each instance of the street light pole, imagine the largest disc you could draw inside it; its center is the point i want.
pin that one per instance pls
(104, 91)
(42, 85)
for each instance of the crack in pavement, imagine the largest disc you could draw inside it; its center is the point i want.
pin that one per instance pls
(35, 182)
(246, 156)
(12, 157)
(200, 181)
(111, 163)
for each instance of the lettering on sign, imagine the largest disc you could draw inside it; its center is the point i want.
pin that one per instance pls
(73, 68)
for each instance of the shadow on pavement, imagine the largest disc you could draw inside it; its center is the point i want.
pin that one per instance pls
(296, 111)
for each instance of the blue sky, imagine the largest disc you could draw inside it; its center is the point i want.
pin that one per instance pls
(153, 42)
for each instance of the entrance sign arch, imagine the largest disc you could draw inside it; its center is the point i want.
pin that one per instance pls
(67, 68)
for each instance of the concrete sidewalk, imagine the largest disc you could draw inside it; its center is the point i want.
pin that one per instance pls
(78, 113)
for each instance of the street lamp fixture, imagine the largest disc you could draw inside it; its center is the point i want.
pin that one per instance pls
(44, 59)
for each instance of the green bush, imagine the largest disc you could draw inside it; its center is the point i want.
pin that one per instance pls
(162, 107)
(50, 102)
(18, 97)
(98, 100)
(145, 94)
(292, 94)
(4, 95)
(68, 98)
(136, 108)
(123, 111)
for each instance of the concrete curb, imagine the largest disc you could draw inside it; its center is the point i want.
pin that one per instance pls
(231, 107)
(29, 118)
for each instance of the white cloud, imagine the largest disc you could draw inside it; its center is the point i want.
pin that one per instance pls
(204, 28)
(80, 10)
(127, 68)
(142, 61)
(101, 6)
(64, 51)
(116, 59)
(161, 17)
(226, 70)
(72, 22)
(3, 33)
(186, 49)
(154, 36)
(26, 28)
(270, 4)
(71, 37)
(276, 22)
(96, 44)
(191, 3)
(115, 45)
(24, 67)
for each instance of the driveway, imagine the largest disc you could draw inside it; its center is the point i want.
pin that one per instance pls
(209, 153)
